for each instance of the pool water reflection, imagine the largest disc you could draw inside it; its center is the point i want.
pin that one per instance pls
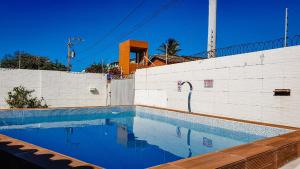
(128, 139)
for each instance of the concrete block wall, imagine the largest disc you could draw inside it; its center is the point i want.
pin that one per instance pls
(59, 89)
(243, 86)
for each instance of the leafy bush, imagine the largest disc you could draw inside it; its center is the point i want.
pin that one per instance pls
(20, 97)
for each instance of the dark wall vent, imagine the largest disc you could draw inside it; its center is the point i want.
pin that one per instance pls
(282, 92)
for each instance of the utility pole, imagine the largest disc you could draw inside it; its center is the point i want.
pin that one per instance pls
(166, 53)
(19, 60)
(71, 54)
(102, 71)
(121, 72)
(286, 28)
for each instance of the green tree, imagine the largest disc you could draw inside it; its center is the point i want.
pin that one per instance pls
(171, 45)
(29, 61)
(114, 71)
(20, 97)
(96, 68)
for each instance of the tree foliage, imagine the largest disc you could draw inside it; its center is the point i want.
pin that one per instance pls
(114, 71)
(20, 97)
(97, 68)
(29, 61)
(171, 45)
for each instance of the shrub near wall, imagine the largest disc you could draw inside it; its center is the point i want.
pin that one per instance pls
(20, 97)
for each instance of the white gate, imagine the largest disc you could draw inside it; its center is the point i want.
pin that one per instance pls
(122, 92)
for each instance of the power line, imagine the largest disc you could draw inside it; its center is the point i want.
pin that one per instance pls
(139, 25)
(145, 21)
(115, 27)
(149, 18)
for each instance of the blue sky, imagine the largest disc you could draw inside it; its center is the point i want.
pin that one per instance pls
(42, 26)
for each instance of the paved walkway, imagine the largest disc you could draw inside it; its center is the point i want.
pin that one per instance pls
(292, 165)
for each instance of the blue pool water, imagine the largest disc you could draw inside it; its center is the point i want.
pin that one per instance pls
(128, 137)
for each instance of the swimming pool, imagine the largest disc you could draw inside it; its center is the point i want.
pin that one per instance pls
(128, 137)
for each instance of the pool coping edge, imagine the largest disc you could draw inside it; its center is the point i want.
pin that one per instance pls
(224, 118)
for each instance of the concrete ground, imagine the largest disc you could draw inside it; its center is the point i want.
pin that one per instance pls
(292, 165)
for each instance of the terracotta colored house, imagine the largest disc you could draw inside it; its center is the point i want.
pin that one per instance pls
(159, 60)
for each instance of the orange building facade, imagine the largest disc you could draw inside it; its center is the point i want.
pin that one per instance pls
(139, 48)
(140, 58)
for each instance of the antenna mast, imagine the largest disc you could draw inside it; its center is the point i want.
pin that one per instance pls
(286, 28)
(212, 27)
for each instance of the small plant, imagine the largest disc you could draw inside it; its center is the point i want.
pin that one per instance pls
(20, 97)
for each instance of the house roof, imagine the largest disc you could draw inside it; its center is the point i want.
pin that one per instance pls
(175, 59)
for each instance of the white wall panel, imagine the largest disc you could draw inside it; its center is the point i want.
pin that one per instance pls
(59, 89)
(243, 86)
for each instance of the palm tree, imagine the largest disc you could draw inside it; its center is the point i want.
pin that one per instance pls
(172, 47)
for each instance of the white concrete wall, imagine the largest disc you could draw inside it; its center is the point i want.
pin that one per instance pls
(243, 86)
(59, 89)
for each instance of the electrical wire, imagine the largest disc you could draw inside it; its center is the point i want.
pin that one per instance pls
(99, 41)
(145, 21)
(136, 27)
(149, 18)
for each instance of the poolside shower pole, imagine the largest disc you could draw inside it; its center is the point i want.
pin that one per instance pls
(212, 29)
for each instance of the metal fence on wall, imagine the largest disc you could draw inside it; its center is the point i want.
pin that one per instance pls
(251, 47)
(119, 76)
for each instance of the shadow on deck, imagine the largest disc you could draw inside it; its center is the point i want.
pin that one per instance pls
(15, 154)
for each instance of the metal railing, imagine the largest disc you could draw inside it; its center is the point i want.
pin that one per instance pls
(251, 47)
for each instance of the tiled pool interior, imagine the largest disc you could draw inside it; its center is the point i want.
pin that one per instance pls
(128, 137)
